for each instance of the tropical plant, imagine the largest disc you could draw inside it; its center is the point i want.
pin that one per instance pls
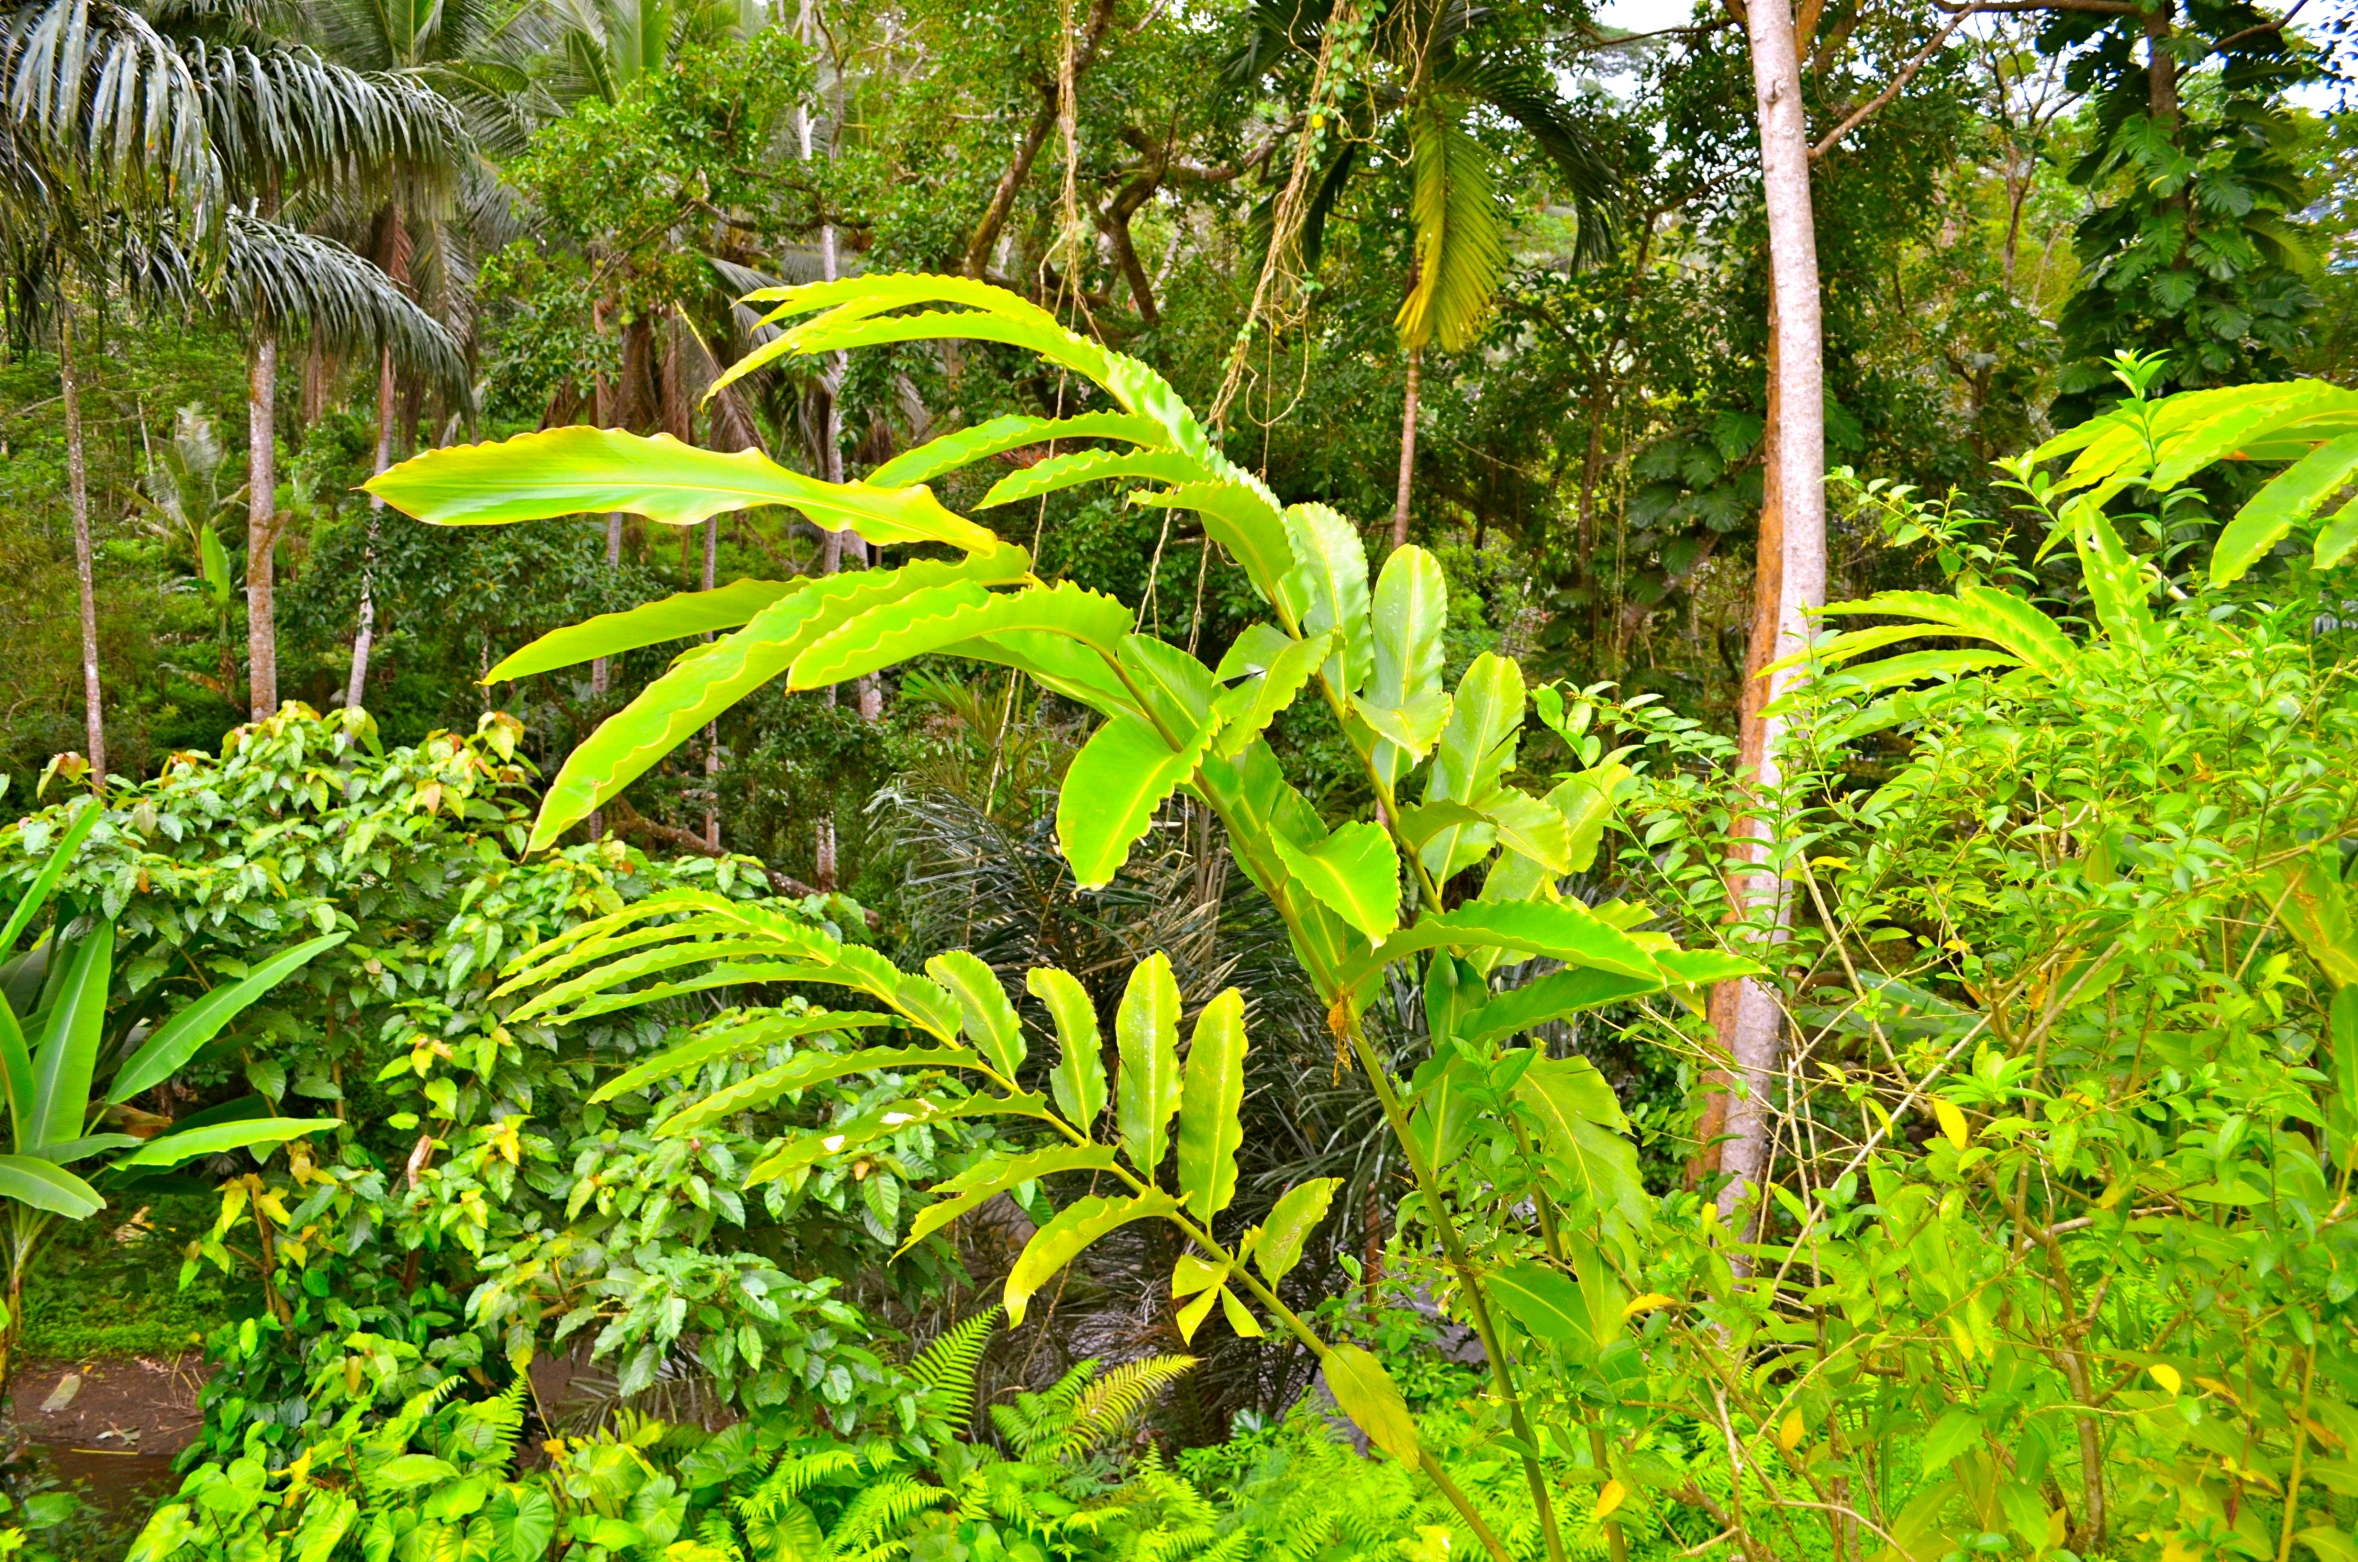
(1374, 659)
(72, 1068)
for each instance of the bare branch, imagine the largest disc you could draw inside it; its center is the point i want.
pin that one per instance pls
(1907, 74)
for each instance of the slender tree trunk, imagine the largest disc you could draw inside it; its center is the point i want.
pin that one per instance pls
(1791, 578)
(364, 632)
(85, 569)
(262, 526)
(712, 728)
(1416, 357)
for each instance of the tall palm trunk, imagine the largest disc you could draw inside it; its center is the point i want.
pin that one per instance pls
(1416, 359)
(1791, 579)
(262, 526)
(85, 572)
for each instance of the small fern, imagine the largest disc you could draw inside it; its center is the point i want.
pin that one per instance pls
(879, 1509)
(947, 1367)
(1083, 1409)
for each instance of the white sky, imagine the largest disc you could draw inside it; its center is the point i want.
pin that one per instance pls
(1645, 16)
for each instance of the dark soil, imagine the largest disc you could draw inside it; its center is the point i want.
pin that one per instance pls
(113, 1438)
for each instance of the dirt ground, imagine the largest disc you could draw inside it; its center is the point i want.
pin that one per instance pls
(113, 1433)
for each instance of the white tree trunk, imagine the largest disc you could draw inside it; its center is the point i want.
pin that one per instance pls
(85, 567)
(1416, 358)
(1792, 573)
(262, 526)
(364, 633)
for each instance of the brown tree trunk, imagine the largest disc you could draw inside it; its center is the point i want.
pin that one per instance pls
(262, 526)
(1416, 357)
(85, 568)
(1791, 580)
(1027, 151)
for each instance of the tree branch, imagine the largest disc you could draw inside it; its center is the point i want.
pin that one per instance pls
(1907, 74)
(1027, 151)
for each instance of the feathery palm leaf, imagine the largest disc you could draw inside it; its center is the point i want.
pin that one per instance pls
(1460, 244)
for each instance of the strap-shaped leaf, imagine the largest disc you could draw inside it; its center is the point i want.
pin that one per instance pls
(681, 617)
(1078, 1080)
(28, 1179)
(711, 678)
(2338, 536)
(1068, 1235)
(942, 618)
(1533, 828)
(1331, 581)
(1978, 613)
(578, 471)
(67, 1055)
(1864, 677)
(1146, 1035)
(220, 1138)
(1111, 790)
(800, 1073)
(1411, 608)
(1058, 473)
(2275, 510)
(1355, 873)
(859, 1132)
(668, 956)
(1291, 1221)
(1054, 662)
(872, 291)
(989, 1019)
(1476, 748)
(1551, 997)
(952, 451)
(839, 333)
(169, 1047)
(28, 906)
(987, 1179)
(1559, 930)
(731, 1042)
(1210, 1097)
(1372, 1401)
(2267, 408)
(2116, 582)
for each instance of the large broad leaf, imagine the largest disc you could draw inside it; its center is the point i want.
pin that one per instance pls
(932, 621)
(1411, 609)
(67, 1055)
(2315, 907)
(1057, 664)
(220, 1138)
(1078, 1080)
(989, 1019)
(1146, 1036)
(1528, 826)
(2338, 537)
(732, 1042)
(1582, 1135)
(45, 1185)
(2275, 510)
(1239, 516)
(1354, 872)
(800, 1073)
(2116, 582)
(1330, 581)
(1581, 1313)
(1476, 748)
(1112, 788)
(2213, 438)
(1981, 613)
(1372, 1401)
(952, 451)
(1058, 473)
(682, 617)
(711, 678)
(1290, 1223)
(578, 471)
(1551, 997)
(1065, 1237)
(178, 1039)
(1558, 930)
(1210, 1098)
(987, 1179)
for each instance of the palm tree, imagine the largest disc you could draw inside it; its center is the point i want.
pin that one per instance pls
(1444, 75)
(102, 145)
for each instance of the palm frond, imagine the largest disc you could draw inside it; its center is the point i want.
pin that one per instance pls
(1460, 242)
(300, 282)
(1521, 92)
(286, 114)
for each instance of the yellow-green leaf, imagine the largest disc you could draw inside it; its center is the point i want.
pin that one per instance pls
(1291, 1221)
(1210, 1098)
(1066, 1236)
(1078, 1079)
(1355, 872)
(1112, 788)
(1146, 1034)
(1372, 1401)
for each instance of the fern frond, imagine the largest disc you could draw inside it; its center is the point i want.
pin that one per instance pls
(1111, 1404)
(880, 1509)
(795, 1474)
(947, 1366)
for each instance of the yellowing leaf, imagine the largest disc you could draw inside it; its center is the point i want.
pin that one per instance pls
(1789, 1434)
(1952, 1122)
(2167, 1376)
(1610, 1498)
(1647, 1303)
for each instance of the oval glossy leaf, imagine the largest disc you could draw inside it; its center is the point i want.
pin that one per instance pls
(46, 1185)
(1068, 1235)
(682, 617)
(219, 1138)
(988, 1018)
(1146, 1035)
(1331, 579)
(1542, 1301)
(1210, 1098)
(1411, 608)
(1078, 1080)
(1290, 1223)
(178, 1039)
(1582, 1135)
(1372, 1401)
(1111, 790)
(1247, 710)
(581, 471)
